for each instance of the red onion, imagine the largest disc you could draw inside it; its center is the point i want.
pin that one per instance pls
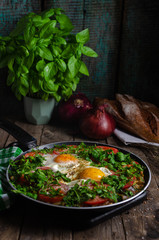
(97, 123)
(74, 108)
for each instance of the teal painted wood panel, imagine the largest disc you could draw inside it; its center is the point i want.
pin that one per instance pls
(103, 20)
(73, 9)
(139, 53)
(12, 11)
(123, 33)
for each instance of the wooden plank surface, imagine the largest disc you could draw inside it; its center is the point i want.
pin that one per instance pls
(138, 70)
(12, 11)
(103, 19)
(26, 220)
(123, 33)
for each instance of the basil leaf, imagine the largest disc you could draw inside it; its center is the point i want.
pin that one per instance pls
(35, 85)
(50, 86)
(61, 65)
(67, 52)
(38, 21)
(83, 36)
(58, 11)
(44, 42)
(23, 69)
(60, 41)
(56, 50)
(66, 92)
(10, 64)
(56, 96)
(47, 28)
(29, 60)
(48, 13)
(89, 52)
(24, 81)
(40, 65)
(44, 53)
(73, 66)
(65, 23)
(83, 69)
(23, 51)
(32, 43)
(29, 32)
(23, 90)
(50, 70)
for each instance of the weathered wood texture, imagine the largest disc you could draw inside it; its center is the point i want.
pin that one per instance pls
(103, 20)
(123, 33)
(26, 220)
(138, 69)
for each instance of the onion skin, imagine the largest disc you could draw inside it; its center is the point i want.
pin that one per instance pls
(97, 124)
(74, 108)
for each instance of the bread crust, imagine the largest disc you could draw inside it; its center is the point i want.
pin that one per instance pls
(136, 117)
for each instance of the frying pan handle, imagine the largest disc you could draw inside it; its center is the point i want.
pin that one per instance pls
(25, 141)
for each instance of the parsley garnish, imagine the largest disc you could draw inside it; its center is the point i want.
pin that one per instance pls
(29, 179)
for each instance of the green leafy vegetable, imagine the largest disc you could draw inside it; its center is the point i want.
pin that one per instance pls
(31, 177)
(43, 56)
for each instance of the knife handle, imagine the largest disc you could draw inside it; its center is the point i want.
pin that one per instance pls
(25, 140)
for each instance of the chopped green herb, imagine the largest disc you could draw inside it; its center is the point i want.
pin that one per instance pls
(31, 177)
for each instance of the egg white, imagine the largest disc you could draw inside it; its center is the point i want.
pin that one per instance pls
(70, 168)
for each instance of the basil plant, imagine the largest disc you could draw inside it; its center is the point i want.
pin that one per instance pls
(43, 56)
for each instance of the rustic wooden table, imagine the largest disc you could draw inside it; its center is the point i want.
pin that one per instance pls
(25, 220)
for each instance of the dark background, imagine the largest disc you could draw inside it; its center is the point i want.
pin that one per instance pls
(124, 33)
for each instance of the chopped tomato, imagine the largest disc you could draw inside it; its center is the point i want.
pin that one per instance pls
(49, 199)
(64, 187)
(43, 168)
(22, 179)
(55, 152)
(74, 146)
(96, 201)
(115, 150)
(46, 198)
(114, 173)
(32, 154)
(127, 165)
(130, 165)
(136, 162)
(130, 183)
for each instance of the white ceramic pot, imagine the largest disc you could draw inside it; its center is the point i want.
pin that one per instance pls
(38, 111)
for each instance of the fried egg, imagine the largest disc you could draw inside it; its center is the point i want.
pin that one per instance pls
(59, 162)
(94, 173)
(75, 167)
(65, 163)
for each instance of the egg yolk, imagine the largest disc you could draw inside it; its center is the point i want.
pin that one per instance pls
(92, 173)
(65, 158)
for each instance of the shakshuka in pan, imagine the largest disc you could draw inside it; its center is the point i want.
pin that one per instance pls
(77, 175)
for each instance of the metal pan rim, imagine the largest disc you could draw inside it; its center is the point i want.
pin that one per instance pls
(105, 207)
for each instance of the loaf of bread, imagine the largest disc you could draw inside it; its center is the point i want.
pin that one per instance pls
(134, 116)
